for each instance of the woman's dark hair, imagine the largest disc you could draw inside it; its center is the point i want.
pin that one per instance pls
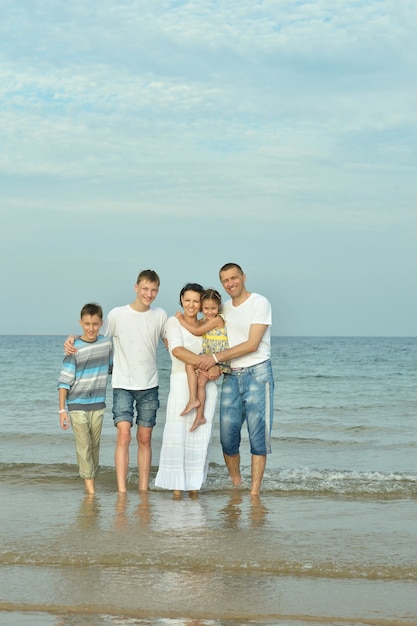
(191, 287)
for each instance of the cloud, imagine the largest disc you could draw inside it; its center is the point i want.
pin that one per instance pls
(284, 126)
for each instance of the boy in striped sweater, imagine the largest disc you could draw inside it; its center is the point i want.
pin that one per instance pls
(82, 391)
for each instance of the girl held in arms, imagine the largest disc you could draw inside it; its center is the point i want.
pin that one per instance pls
(212, 329)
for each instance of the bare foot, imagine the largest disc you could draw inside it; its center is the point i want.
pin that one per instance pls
(192, 404)
(193, 494)
(89, 485)
(177, 494)
(199, 420)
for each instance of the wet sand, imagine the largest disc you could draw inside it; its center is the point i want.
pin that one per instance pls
(226, 558)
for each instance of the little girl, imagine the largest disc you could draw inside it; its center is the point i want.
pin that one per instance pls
(213, 331)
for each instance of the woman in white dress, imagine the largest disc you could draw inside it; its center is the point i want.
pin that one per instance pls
(183, 462)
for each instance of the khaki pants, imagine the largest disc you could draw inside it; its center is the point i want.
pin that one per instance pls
(87, 431)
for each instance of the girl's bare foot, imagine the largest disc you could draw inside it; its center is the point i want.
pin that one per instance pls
(177, 494)
(199, 420)
(191, 404)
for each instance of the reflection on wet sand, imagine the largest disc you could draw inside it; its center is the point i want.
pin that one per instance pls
(233, 510)
(257, 512)
(121, 506)
(88, 513)
(144, 510)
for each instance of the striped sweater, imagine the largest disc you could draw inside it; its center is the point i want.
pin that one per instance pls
(85, 374)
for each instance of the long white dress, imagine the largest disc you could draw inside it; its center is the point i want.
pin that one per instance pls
(183, 462)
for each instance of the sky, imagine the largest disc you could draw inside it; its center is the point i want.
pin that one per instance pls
(182, 135)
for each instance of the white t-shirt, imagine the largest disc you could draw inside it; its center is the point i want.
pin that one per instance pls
(255, 310)
(135, 342)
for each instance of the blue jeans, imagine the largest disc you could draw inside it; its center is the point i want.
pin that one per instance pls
(247, 395)
(145, 400)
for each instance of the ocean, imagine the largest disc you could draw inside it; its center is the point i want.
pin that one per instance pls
(331, 540)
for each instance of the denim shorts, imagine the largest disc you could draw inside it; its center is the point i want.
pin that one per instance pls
(145, 401)
(247, 395)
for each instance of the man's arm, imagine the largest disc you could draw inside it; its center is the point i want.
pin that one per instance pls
(256, 333)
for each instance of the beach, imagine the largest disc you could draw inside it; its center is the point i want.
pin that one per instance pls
(331, 540)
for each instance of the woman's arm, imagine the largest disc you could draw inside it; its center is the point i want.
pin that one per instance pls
(186, 356)
(174, 335)
(212, 373)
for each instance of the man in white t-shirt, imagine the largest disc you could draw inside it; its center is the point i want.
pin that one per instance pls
(247, 392)
(136, 329)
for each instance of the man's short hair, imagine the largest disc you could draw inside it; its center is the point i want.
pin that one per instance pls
(149, 275)
(231, 266)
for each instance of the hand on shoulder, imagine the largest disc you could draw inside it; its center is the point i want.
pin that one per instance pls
(69, 345)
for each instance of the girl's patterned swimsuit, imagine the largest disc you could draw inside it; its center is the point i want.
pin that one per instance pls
(216, 341)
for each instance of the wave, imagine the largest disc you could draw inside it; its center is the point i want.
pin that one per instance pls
(306, 480)
(111, 557)
(298, 481)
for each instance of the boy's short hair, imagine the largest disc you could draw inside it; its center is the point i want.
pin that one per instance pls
(92, 308)
(149, 275)
(231, 266)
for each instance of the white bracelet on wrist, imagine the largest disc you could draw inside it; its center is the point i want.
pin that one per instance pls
(62, 411)
(216, 360)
